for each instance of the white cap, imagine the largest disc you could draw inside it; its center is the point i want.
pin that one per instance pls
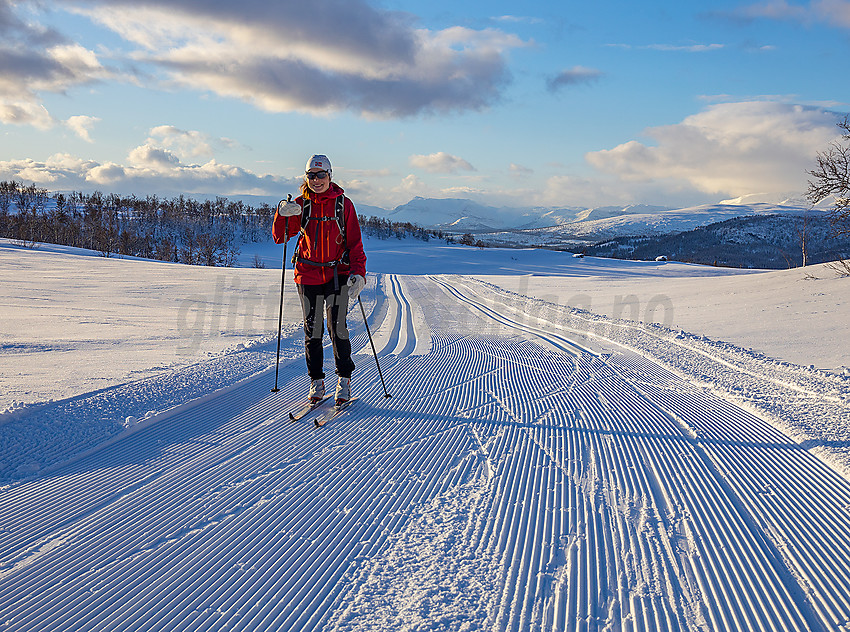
(319, 161)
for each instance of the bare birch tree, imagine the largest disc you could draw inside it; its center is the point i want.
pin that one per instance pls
(831, 177)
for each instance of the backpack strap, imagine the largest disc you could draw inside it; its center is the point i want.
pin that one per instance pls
(339, 217)
(340, 220)
(307, 209)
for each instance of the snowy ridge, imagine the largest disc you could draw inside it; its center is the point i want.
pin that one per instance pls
(658, 220)
(525, 475)
(604, 224)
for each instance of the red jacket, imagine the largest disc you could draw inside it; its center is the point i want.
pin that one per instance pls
(321, 241)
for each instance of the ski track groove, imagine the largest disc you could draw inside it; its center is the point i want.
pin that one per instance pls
(611, 495)
(741, 548)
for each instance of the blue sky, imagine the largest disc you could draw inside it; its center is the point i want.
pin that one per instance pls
(544, 104)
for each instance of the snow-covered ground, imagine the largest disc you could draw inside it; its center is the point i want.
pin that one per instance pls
(547, 460)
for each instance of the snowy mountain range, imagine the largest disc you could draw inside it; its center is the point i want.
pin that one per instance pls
(568, 226)
(653, 221)
(463, 215)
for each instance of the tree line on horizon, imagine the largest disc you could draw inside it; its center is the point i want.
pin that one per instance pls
(180, 229)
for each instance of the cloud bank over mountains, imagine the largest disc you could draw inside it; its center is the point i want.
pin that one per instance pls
(360, 60)
(726, 151)
(730, 149)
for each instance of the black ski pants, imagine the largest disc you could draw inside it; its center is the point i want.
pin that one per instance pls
(334, 302)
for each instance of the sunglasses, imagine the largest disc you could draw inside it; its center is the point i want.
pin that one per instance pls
(312, 175)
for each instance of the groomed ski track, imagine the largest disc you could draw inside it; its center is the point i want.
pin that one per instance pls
(520, 478)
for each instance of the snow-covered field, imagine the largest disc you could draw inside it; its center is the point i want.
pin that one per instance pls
(547, 460)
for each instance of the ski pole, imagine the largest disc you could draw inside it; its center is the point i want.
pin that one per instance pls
(375, 353)
(282, 285)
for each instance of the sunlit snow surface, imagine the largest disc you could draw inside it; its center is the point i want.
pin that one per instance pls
(546, 460)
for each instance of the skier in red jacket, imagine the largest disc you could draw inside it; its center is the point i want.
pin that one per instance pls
(330, 268)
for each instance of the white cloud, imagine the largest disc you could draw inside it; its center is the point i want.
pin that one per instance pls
(411, 184)
(373, 192)
(605, 189)
(150, 170)
(771, 9)
(730, 149)
(687, 48)
(75, 65)
(155, 158)
(440, 162)
(35, 60)
(830, 12)
(394, 193)
(673, 48)
(519, 19)
(279, 57)
(18, 112)
(187, 144)
(834, 12)
(574, 76)
(156, 166)
(170, 150)
(107, 175)
(82, 126)
(776, 9)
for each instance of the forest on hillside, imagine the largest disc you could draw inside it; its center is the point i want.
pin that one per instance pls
(761, 241)
(179, 229)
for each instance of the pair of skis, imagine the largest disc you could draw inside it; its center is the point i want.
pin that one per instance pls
(325, 416)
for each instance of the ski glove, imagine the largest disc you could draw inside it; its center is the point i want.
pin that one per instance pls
(288, 209)
(355, 284)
